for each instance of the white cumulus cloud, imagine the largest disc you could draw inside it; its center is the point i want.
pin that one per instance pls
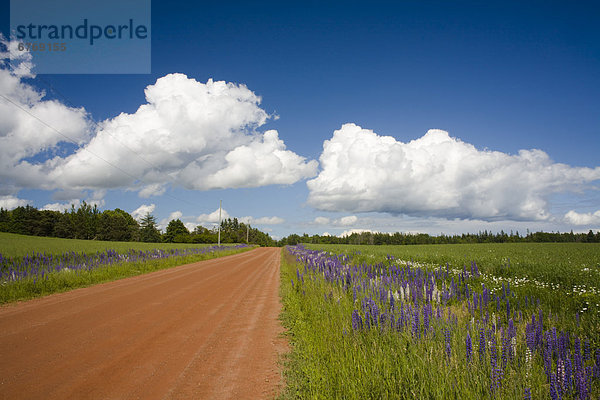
(189, 134)
(576, 218)
(62, 206)
(349, 220)
(266, 220)
(94, 199)
(142, 210)
(213, 217)
(10, 202)
(343, 221)
(155, 189)
(263, 162)
(196, 135)
(437, 175)
(173, 216)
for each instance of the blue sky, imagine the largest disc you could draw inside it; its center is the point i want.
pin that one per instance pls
(500, 78)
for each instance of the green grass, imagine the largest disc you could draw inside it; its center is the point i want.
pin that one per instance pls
(12, 245)
(561, 263)
(17, 246)
(331, 360)
(565, 277)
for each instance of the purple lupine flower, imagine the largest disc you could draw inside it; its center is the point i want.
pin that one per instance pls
(505, 346)
(356, 321)
(493, 350)
(530, 334)
(587, 353)
(481, 343)
(496, 379)
(415, 322)
(375, 312)
(548, 357)
(527, 394)
(426, 318)
(589, 375)
(582, 386)
(539, 332)
(560, 376)
(553, 387)
(568, 374)
(447, 341)
(402, 319)
(469, 347)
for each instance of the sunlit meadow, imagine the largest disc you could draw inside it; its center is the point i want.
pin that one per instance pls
(467, 321)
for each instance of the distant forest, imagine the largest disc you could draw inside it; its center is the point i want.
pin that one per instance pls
(423, 238)
(87, 222)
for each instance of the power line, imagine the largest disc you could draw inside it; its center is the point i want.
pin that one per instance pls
(67, 101)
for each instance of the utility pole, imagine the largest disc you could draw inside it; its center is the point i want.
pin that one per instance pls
(247, 232)
(220, 205)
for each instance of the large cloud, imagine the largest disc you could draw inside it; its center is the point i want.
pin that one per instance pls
(196, 135)
(10, 202)
(142, 210)
(191, 134)
(213, 217)
(437, 175)
(576, 218)
(343, 221)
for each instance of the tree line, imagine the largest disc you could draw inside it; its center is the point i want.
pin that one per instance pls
(87, 222)
(423, 238)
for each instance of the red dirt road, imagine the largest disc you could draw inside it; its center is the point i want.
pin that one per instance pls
(207, 330)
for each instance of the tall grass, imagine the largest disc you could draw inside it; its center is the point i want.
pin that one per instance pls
(386, 329)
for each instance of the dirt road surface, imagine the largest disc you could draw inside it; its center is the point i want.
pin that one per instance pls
(207, 330)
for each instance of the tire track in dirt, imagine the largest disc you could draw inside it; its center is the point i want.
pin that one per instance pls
(202, 330)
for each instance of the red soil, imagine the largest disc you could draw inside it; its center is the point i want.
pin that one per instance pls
(207, 330)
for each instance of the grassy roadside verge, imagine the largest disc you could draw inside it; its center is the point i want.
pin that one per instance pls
(315, 330)
(390, 330)
(68, 279)
(329, 360)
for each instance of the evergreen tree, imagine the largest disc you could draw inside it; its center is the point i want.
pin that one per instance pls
(176, 232)
(148, 230)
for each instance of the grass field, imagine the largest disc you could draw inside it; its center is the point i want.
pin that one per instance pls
(367, 323)
(37, 266)
(12, 245)
(565, 277)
